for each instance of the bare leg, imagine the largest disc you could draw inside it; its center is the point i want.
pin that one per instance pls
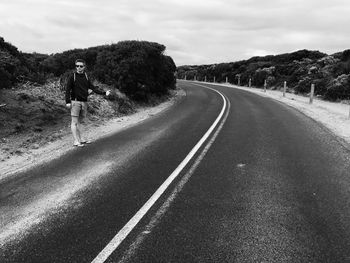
(75, 126)
(81, 128)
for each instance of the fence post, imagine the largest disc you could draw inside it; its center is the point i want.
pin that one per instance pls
(195, 77)
(250, 83)
(226, 80)
(312, 93)
(205, 79)
(284, 88)
(265, 84)
(214, 79)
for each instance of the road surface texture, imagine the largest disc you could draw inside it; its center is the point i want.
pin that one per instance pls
(266, 184)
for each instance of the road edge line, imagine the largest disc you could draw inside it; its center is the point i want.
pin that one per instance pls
(177, 189)
(130, 225)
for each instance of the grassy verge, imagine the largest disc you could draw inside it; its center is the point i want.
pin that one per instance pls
(33, 116)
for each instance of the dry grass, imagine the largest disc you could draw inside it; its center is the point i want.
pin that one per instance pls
(36, 115)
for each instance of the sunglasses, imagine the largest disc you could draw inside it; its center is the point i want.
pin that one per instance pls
(79, 66)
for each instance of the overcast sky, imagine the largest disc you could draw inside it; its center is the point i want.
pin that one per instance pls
(194, 31)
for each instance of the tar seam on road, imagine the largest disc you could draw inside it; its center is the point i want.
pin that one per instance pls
(130, 225)
(163, 209)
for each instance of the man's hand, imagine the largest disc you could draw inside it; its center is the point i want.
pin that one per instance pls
(68, 105)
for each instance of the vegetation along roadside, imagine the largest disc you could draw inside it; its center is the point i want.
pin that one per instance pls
(329, 73)
(32, 106)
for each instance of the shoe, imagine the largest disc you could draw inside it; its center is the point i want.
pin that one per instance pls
(78, 145)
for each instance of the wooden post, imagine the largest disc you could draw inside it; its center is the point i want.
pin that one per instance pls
(239, 80)
(214, 79)
(265, 84)
(226, 80)
(250, 83)
(195, 78)
(205, 79)
(185, 77)
(284, 88)
(312, 93)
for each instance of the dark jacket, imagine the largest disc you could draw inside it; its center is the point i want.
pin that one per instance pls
(78, 89)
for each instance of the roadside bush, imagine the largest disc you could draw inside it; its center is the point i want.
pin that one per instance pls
(16, 66)
(9, 66)
(341, 68)
(343, 56)
(339, 88)
(260, 76)
(328, 60)
(5, 79)
(303, 85)
(137, 68)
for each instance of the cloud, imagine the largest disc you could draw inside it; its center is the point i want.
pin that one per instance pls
(194, 31)
(69, 22)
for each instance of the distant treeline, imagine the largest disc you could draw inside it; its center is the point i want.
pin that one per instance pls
(329, 73)
(137, 68)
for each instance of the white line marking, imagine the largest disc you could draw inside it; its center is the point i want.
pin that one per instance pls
(163, 209)
(124, 232)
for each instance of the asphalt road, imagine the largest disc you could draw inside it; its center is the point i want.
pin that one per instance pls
(268, 184)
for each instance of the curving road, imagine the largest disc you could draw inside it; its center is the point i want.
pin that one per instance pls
(265, 184)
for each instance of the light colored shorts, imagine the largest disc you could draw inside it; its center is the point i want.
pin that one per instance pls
(78, 109)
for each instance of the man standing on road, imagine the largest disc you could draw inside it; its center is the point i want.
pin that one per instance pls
(78, 89)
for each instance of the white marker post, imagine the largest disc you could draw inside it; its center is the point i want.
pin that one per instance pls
(185, 77)
(250, 83)
(284, 88)
(205, 79)
(265, 84)
(195, 77)
(312, 93)
(214, 79)
(226, 80)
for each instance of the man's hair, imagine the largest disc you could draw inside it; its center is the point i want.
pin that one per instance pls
(80, 60)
